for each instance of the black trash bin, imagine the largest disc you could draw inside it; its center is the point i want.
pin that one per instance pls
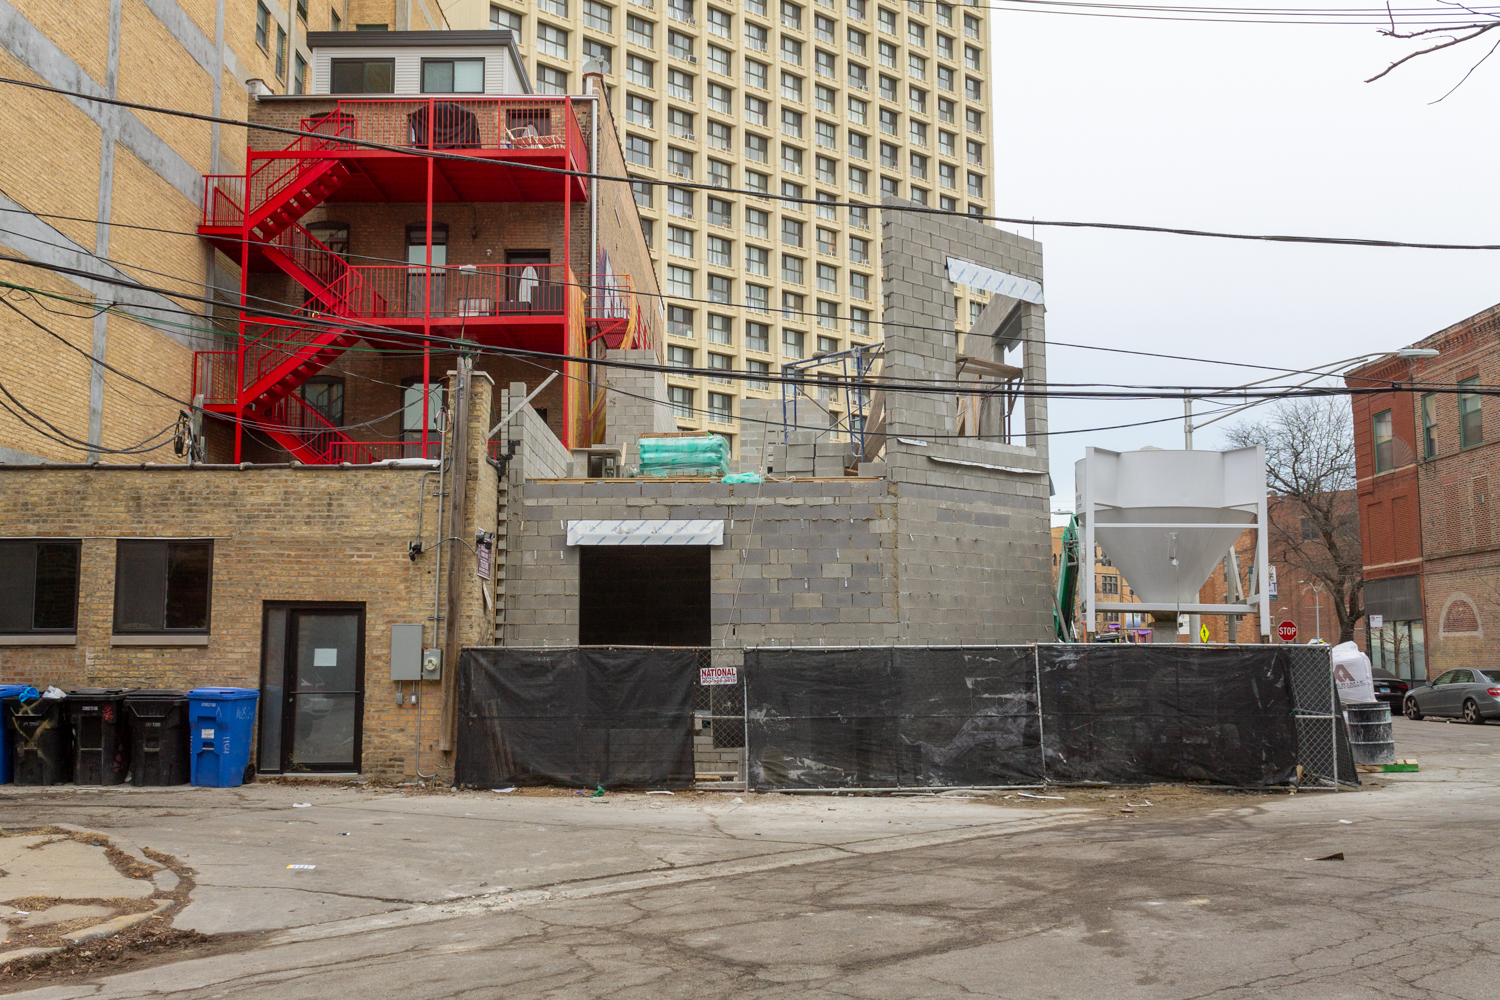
(158, 737)
(41, 740)
(101, 748)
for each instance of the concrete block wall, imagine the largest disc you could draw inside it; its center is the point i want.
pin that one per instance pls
(636, 401)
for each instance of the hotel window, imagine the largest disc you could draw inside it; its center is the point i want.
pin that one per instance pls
(641, 72)
(947, 175)
(639, 31)
(720, 60)
(971, 26)
(642, 192)
(945, 45)
(792, 270)
(598, 16)
(39, 586)
(826, 169)
(826, 134)
(975, 119)
(824, 28)
(791, 15)
(859, 181)
(828, 278)
(552, 41)
(945, 110)
(720, 211)
(758, 261)
(679, 123)
(791, 123)
(916, 34)
(890, 155)
(551, 81)
(791, 87)
(757, 223)
(757, 150)
(828, 345)
(719, 362)
(758, 337)
(859, 145)
(858, 78)
(793, 343)
(720, 289)
(756, 75)
(826, 64)
(823, 99)
(856, 9)
(859, 217)
(919, 166)
(887, 20)
(945, 78)
(682, 326)
(859, 322)
(720, 252)
(680, 46)
(791, 159)
(720, 99)
(859, 250)
(917, 131)
(890, 121)
(720, 23)
(948, 204)
(638, 150)
(756, 37)
(828, 317)
(681, 10)
(888, 88)
(859, 286)
(973, 58)
(917, 67)
(791, 232)
(757, 299)
(680, 202)
(558, 7)
(828, 241)
(681, 398)
(857, 111)
(1385, 443)
(973, 89)
(720, 407)
(600, 53)
(759, 368)
(791, 50)
(887, 53)
(680, 281)
(919, 195)
(680, 241)
(679, 85)
(917, 99)
(976, 152)
(944, 14)
(826, 206)
(720, 329)
(756, 111)
(976, 185)
(792, 193)
(946, 142)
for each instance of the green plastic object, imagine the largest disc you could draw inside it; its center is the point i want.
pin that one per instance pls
(684, 456)
(1067, 583)
(743, 477)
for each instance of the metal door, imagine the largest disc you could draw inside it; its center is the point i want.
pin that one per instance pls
(312, 687)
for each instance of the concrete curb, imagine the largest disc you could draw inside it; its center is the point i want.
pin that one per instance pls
(11, 956)
(112, 927)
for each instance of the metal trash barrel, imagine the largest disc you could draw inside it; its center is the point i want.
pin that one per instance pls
(158, 737)
(1370, 733)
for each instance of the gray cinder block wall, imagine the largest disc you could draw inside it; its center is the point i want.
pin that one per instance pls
(951, 544)
(636, 403)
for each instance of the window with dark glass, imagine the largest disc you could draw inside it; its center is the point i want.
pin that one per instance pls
(1470, 417)
(1429, 426)
(162, 586)
(364, 76)
(38, 586)
(1384, 442)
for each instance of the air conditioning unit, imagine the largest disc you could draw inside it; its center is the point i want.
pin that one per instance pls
(693, 60)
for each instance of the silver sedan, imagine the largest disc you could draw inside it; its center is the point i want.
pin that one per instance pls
(1472, 695)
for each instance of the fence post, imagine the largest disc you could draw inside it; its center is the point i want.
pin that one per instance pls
(1041, 735)
(745, 715)
(1333, 694)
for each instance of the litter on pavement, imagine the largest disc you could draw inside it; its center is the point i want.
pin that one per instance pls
(305, 868)
(1028, 795)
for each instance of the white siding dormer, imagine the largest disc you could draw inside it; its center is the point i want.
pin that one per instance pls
(503, 72)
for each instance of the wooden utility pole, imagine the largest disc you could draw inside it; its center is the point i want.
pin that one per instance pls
(458, 476)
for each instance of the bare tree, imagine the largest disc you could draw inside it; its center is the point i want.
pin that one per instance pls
(1444, 37)
(1314, 511)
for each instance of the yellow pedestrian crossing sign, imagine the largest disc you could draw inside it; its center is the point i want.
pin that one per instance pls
(1203, 633)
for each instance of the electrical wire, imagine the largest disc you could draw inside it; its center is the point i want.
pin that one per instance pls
(594, 175)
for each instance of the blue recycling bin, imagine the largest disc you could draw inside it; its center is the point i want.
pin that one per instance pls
(221, 723)
(7, 758)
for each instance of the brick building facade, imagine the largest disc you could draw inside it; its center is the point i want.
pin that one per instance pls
(1432, 558)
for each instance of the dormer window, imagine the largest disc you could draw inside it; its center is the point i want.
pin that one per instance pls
(452, 76)
(364, 76)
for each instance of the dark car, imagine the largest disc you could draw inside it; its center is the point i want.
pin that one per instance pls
(1391, 689)
(1472, 695)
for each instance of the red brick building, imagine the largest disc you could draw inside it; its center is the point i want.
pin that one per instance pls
(1430, 550)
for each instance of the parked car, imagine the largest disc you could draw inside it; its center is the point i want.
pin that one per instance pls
(1472, 695)
(1391, 689)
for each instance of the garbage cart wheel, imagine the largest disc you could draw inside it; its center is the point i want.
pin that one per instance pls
(1412, 711)
(249, 773)
(1471, 713)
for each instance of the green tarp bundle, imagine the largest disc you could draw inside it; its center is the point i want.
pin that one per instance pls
(685, 456)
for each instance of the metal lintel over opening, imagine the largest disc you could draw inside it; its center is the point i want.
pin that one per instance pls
(646, 532)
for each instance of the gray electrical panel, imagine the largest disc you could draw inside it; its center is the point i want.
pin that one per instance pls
(406, 652)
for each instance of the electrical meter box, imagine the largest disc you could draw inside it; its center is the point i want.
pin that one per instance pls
(406, 652)
(432, 664)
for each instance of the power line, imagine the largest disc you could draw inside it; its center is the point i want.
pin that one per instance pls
(886, 206)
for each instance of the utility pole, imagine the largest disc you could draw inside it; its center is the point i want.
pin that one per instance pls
(1318, 605)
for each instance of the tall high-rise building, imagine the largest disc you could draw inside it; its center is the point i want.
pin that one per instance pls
(832, 101)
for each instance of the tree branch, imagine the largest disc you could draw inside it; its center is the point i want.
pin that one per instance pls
(1479, 29)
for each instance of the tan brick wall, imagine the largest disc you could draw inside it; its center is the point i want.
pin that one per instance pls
(280, 534)
(156, 69)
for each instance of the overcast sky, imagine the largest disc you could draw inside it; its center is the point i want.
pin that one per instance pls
(1249, 128)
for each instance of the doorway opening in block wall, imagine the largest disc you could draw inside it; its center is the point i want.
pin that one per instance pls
(312, 687)
(644, 595)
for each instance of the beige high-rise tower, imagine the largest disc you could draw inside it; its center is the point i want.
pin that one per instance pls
(833, 100)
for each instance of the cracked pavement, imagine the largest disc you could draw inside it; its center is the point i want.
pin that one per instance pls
(642, 896)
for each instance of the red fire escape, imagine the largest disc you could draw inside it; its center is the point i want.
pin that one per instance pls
(254, 218)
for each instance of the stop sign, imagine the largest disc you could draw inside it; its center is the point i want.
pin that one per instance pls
(1287, 631)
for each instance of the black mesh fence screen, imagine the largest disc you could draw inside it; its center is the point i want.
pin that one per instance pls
(892, 717)
(1144, 713)
(592, 716)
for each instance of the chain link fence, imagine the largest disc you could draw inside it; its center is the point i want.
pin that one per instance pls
(719, 717)
(1324, 757)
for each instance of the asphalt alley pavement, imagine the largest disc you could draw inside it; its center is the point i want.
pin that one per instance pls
(480, 895)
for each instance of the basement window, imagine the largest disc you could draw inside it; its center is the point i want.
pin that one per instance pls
(39, 586)
(162, 587)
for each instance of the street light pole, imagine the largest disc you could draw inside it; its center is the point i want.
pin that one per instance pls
(1318, 599)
